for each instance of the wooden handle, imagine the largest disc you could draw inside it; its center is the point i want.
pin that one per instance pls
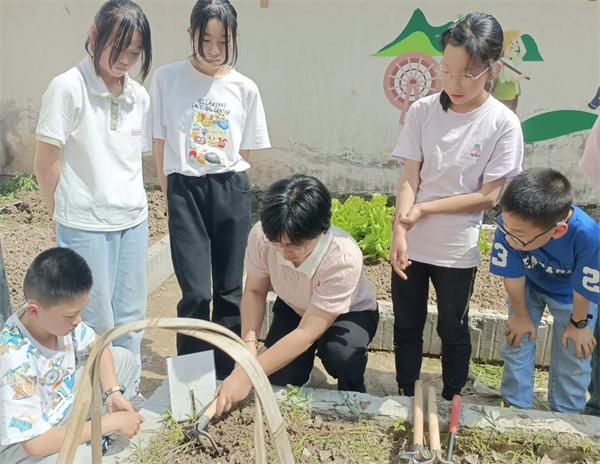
(455, 414)
(210, 409)
(434, 428)
(418, 414)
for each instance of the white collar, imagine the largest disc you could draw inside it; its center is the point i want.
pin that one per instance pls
(312, 262)
(97, 86)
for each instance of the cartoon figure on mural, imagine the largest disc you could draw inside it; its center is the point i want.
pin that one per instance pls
(413, 73)
(595, 102)
(508, 87)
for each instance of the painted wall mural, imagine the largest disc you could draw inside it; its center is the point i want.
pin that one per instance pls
(413, 74)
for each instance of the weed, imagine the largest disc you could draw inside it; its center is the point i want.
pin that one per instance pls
(17, 183)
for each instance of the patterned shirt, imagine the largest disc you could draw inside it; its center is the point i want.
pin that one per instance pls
(36, 382)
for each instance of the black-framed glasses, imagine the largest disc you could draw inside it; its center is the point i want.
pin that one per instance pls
(512, 236)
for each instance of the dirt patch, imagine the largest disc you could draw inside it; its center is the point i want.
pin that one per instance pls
(26, 230)
(314, 438)
(489, 294)
(317, 438)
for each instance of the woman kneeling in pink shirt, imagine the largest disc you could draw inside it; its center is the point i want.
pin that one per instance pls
(325, 305)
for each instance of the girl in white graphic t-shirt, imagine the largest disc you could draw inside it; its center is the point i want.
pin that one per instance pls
(458, 148)
(207, 117)
(93, 127)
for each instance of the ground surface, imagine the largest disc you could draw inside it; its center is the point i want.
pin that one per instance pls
(26, 230)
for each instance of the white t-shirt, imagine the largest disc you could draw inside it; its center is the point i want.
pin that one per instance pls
(206, 121)
(459, 153)
(102, 137)
(36, 382)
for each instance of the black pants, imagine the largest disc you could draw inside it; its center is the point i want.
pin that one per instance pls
(209, 222)
(453, 288)
(342, 348)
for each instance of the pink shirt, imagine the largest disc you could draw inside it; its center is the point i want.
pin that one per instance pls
(458, 152)
(590, 162)
(331, 278)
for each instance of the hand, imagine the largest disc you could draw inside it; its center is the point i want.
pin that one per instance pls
(234, 389)
(517, 326)
(399, 252)
(583, 339)
(415, 213)
(117, 402)
(128, 423)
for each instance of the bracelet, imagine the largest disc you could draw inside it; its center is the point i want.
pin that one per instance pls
(110, 391)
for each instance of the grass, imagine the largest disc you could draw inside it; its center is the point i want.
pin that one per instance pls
(485, 446)
(17, 183)
(316, 438)
(491, 375)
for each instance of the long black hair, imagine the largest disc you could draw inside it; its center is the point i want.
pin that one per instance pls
(204, 11)
(299, 207)
(480, 34)
(115, 22)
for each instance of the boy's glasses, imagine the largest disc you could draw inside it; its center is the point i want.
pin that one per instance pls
(463, 78)
(510, 236)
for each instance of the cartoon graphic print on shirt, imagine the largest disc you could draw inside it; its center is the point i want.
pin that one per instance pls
(209, 134)
(476, 151)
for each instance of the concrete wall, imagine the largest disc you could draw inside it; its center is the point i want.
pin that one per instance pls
(321, 85)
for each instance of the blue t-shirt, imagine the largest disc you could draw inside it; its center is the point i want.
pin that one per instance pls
(561, 266)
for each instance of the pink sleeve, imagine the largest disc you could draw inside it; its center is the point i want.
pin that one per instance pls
(256, 252)
(590, 162)
(408, 146)
(335, 283)
(507, 157)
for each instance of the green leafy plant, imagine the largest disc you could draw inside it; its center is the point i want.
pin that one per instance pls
(369, 223)
(18, 183)
(485, 247)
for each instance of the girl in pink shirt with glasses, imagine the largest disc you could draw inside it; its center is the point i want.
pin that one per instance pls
(458, 148)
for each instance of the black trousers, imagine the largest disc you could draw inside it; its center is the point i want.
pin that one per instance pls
(342, 348)
(453, 287)
(209, 222)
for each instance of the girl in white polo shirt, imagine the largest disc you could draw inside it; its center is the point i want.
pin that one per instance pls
(207, 117)
(94, 125)
(458, 148)
(325, 305)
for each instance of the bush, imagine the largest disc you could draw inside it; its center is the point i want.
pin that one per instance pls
(369, 223)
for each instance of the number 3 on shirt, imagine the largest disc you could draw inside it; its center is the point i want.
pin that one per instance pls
(501, 258)
(591, 279)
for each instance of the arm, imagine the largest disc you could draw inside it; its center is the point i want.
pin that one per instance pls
(583, 339)
(405, 199)
(312, 325)
(252, 309)
(519, 323)
(108, 379)
(485, 198)
(51, 442)
(245, 154)
(158, 146)
(46, 166)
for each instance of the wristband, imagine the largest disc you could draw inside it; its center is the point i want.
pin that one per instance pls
(110, 391)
